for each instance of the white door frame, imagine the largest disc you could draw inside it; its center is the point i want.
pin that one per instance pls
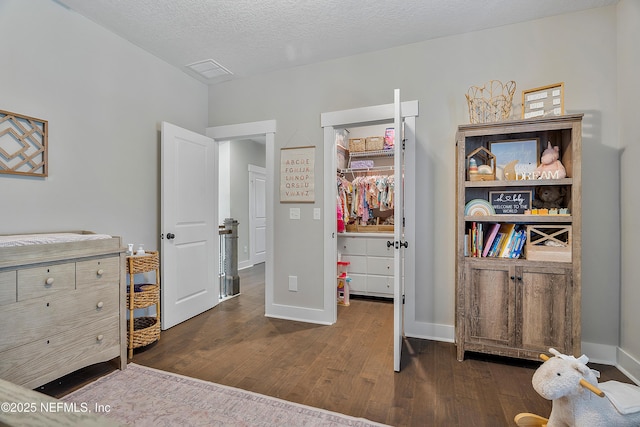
(253, 172)
(357, 117)
(266, 128)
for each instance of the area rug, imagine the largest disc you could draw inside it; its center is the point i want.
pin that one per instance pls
(141, 396)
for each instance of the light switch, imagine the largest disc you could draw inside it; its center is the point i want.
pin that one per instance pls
(294, 213)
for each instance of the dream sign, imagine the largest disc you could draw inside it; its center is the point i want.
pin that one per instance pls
(510, 202)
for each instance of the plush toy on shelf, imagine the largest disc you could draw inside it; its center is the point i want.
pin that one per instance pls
(578, 399)
(550, 196)
(550, 165)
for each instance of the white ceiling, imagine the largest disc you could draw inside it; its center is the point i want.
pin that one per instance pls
(250, 37)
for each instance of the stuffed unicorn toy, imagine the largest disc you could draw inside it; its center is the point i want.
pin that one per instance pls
(578, 399)
(550, 165)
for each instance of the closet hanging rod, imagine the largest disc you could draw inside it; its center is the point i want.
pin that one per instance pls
(371, 169)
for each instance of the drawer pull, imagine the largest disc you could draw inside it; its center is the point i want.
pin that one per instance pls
(100, 304)
(49, 281)
(100, 337)
(100, 272)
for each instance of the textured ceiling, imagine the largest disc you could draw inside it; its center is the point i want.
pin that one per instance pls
(250, 37)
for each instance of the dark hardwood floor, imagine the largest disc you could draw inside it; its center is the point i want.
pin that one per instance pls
(346, 367)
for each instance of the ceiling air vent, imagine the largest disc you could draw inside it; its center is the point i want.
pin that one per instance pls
(209, 69)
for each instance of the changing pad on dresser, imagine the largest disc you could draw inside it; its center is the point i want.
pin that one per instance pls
(39, 239)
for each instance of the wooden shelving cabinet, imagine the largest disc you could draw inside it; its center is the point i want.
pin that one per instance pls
(143, 330)
(519, 307)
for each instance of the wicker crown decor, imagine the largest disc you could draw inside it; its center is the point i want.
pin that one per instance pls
(491, 102)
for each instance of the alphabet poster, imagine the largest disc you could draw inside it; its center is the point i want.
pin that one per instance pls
(297, 177)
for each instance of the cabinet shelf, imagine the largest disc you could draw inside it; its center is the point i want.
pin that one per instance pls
(519, 183)
(522, 219)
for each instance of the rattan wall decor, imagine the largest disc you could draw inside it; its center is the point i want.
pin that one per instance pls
(491, 102)
(23, 145)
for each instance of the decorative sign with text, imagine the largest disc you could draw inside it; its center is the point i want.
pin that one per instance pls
(510, 202)
(297, 175)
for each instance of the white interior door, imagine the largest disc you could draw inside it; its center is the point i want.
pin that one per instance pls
(257, 214)
(189, 248)
(398, 233)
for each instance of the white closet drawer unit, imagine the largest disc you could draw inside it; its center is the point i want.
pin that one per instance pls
(41, 281)
(7, 287)
(371, 269)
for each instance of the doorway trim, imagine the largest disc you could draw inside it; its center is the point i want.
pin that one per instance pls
(356, 117)
(255, 172)
(266, 128)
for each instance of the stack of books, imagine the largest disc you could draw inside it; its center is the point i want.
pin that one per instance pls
(500, 240)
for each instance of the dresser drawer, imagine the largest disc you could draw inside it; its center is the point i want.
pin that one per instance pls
(41, 281)
(380, 285)
(358, 264)
(7, 287)
(33, 319)
(352, 246)
(97, 271)
(41, 361)
(378, 247)
(380, 266)
(358, 283)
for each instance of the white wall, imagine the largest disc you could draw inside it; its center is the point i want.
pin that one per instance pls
(577, 49)
(104, 99)
(629, 94)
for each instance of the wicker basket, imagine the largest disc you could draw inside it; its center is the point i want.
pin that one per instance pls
(149, 295)
(357, 145)
(143, 263)
(374, 143)
(145, 331)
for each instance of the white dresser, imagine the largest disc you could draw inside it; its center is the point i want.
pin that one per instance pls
(62, 307)
(371, 268)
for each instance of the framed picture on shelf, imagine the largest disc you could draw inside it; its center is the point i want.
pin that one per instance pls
(543, 101)
(515, 158)
(510, 202)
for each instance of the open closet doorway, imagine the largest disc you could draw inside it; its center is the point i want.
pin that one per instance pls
(246, 153)
(242, 195)
(384, 267)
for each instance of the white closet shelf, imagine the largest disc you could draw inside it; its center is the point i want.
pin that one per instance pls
(377, 153)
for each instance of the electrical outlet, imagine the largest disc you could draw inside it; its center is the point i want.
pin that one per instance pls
(293, 283)
(316, 213)
(294, 213)
(245, 249)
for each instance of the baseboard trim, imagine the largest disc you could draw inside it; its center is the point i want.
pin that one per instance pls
(629, 365)
(298, 314)
(429, 331)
